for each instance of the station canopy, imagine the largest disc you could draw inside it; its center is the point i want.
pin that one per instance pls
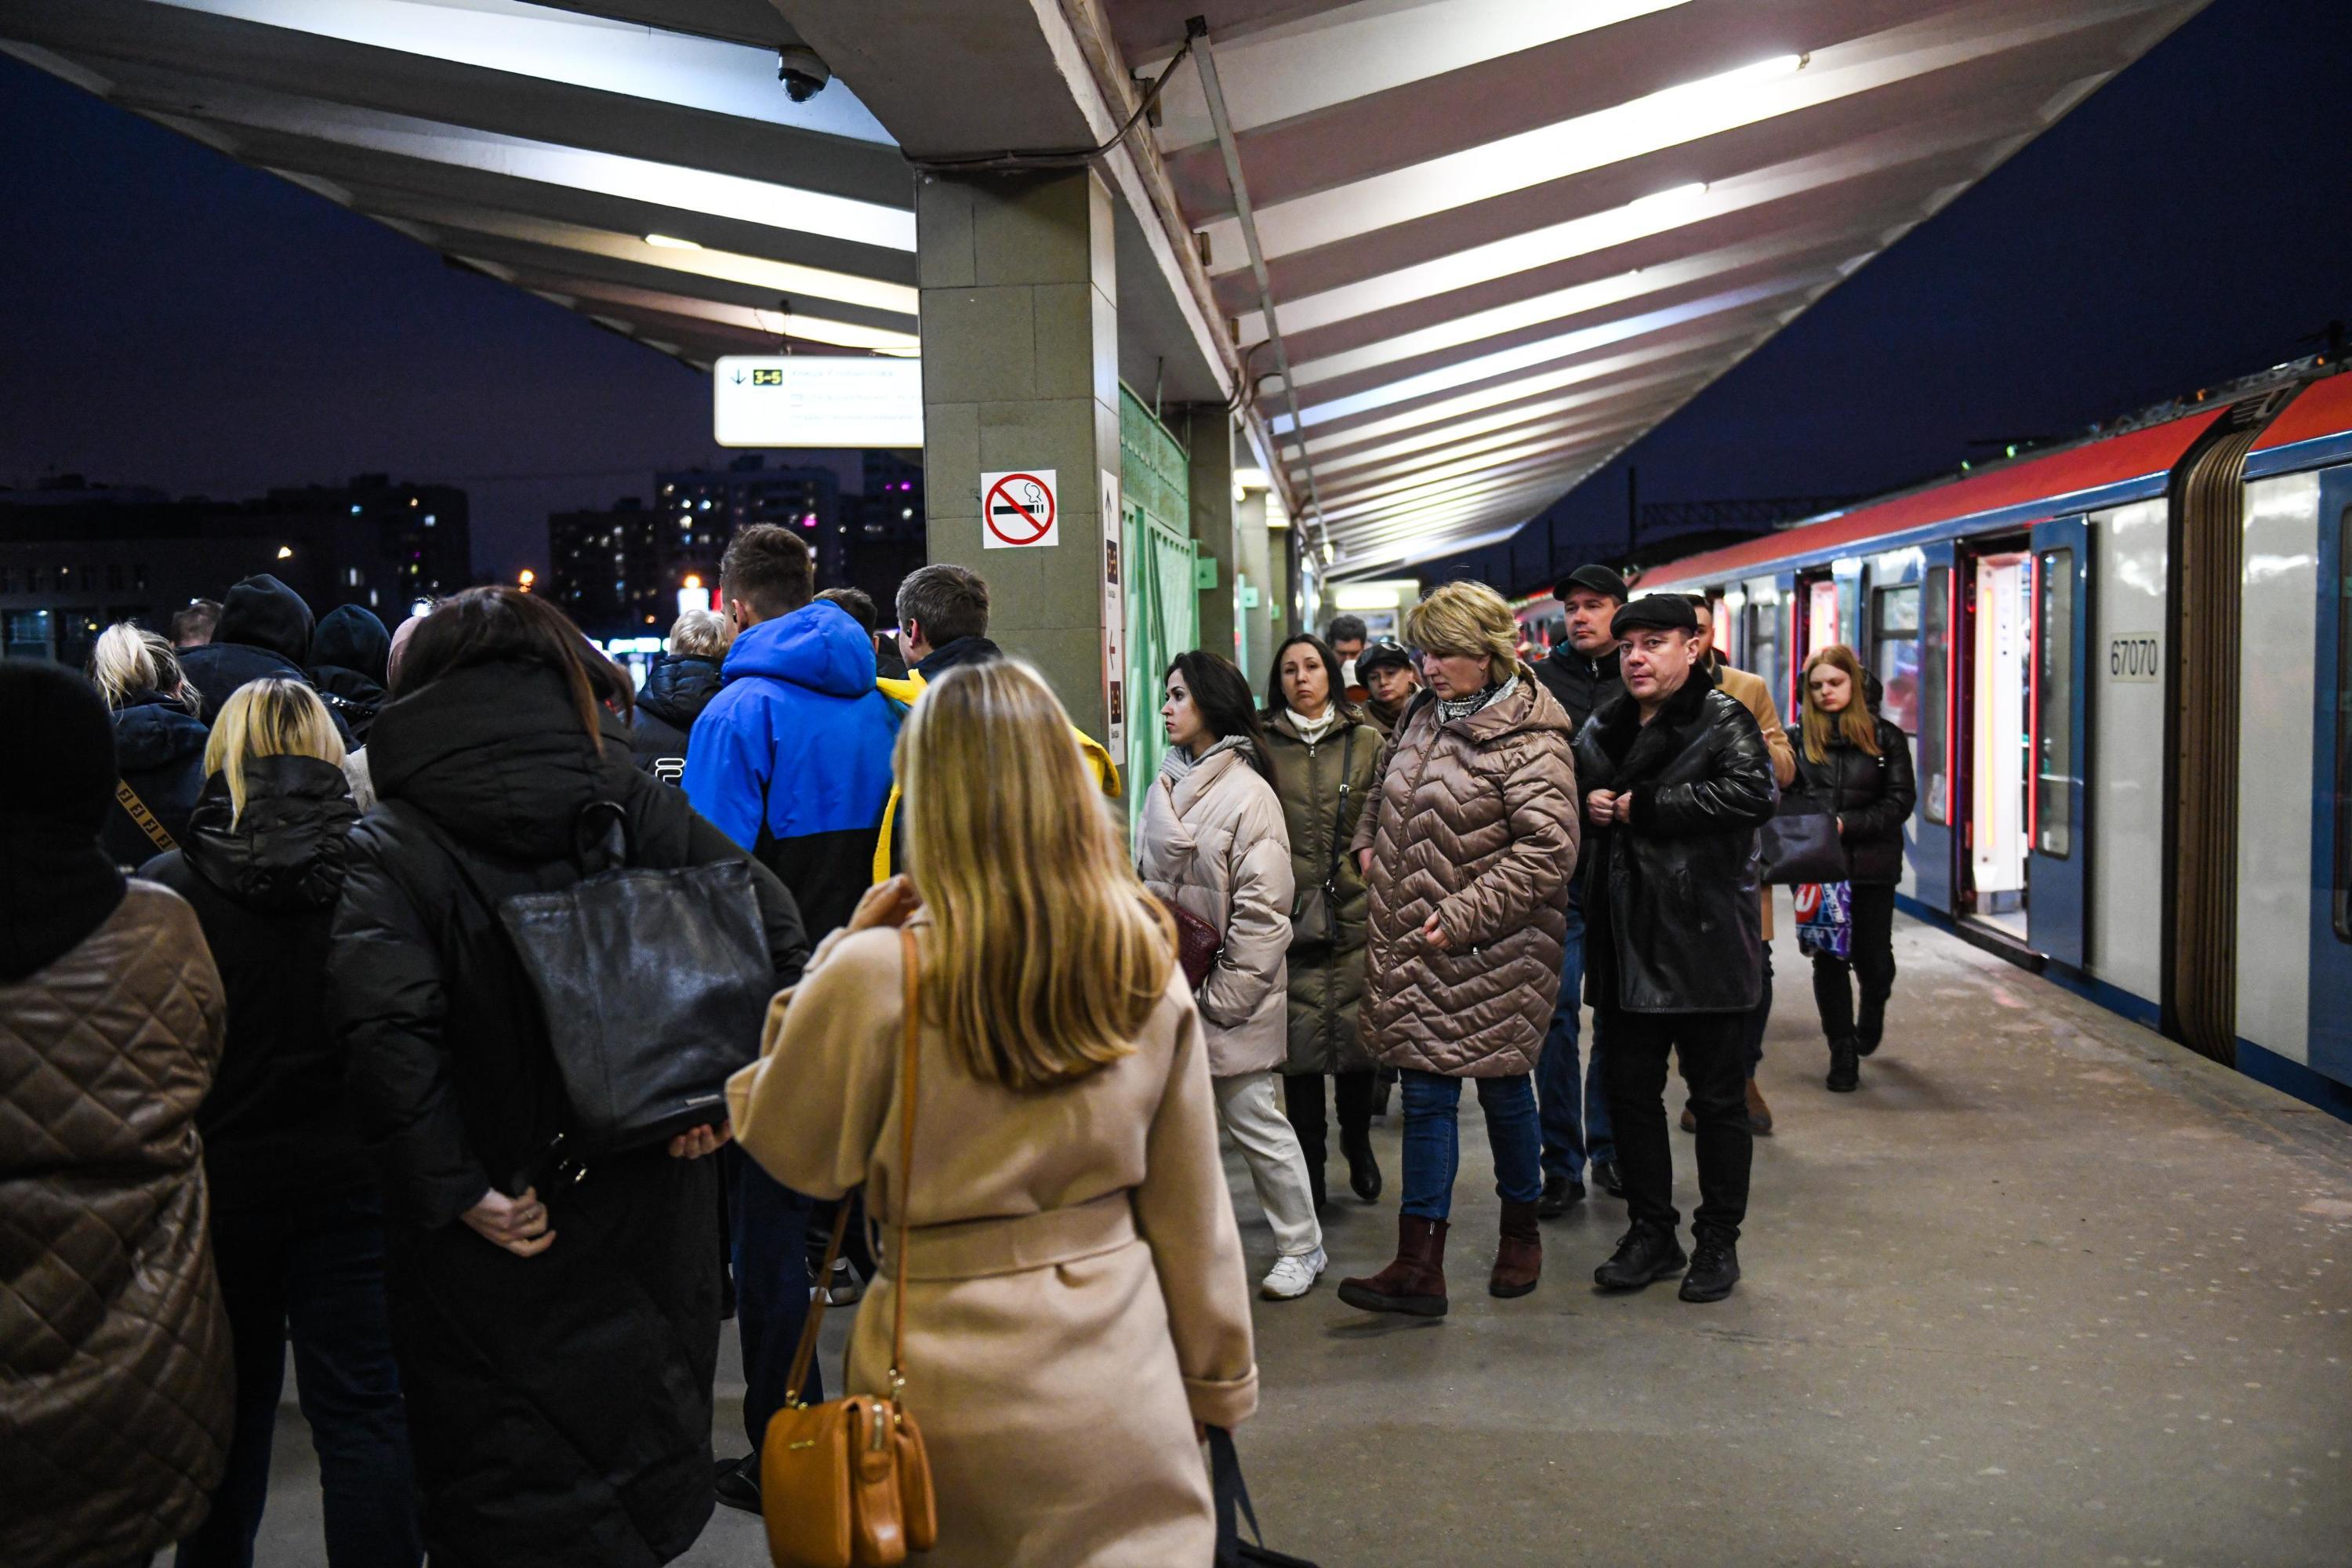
(1502, 238)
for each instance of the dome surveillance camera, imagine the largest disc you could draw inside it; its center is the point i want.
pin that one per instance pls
(802, 72)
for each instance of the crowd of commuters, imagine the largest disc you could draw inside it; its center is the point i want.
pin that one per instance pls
(345, 1129)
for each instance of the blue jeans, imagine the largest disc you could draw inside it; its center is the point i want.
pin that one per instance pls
(318, 1277)
(770, 1246)
(1432, 1139)
(1567, 1141)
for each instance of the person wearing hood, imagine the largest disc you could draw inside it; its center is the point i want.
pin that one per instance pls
(791, 759)
(1213, 844)
(355, 763)
(556, 1326)
(350, 661)
(117, 1402)
(297, 1225)
(159, 743)
(264, 630)
(679, 686)
(1466, 847)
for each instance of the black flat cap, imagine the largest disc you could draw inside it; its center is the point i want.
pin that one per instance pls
(1655, 613)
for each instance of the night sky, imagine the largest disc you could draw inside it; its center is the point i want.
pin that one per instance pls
(177, 320)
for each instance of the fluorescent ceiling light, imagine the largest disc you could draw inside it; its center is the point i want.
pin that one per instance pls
(669, 242)
(1679, 195)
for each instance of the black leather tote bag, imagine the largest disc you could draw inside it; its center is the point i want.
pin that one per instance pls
(653, 984)
(1231, 1494)
(1800, 843)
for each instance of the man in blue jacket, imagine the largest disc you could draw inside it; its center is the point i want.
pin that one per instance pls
(792, 759)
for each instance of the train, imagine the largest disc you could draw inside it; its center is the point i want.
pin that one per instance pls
(2125, 665)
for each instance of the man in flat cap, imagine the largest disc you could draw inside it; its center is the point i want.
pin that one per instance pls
(1676, 779)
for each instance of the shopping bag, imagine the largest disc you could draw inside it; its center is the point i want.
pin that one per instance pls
(1825, 920)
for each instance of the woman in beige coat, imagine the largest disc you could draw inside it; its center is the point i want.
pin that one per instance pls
(1076, 1307)
(1467, 849)
(1213, 842)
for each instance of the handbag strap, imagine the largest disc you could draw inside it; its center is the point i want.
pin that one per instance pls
(128, 798)
(1339, 819)
(805, 1354)
(1231, 1495)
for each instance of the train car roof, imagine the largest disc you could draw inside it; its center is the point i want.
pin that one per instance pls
(2314, 429)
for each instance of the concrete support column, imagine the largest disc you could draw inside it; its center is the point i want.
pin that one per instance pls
(1020, 324)
(1209, 432)
(1255, 578)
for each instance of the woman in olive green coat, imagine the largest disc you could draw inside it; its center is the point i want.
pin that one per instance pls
(1323, 747)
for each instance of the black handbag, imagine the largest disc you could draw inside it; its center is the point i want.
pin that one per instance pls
(653, 984)
(1315, 912)
(1232, 1495)
(1801, 843)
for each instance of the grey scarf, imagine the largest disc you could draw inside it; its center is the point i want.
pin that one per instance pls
(1176, 764)
(1449, 708)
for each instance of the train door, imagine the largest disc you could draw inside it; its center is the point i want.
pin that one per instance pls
(2329, 874)
(1817, 629)
(2058, 838)
(1998, 596)
(1934, 885)
(1888, 596)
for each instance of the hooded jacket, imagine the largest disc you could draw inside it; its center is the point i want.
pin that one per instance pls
(678, 688)
(1324, 789)
(1579, 683)
(350, 652)
(1473, 820)
(160, 748)
(792, 758)
(277, 1128)
(264, 632)
(560, 1404)
(1672, 916)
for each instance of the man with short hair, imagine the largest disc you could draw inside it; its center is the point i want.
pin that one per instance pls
(1676, 780)
(943, 619)
(1391, 680)
(1582, 673)
(792, 759)
(1346, 635)
(193, 627)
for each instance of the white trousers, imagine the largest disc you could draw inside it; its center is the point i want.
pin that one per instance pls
(1245, 1108)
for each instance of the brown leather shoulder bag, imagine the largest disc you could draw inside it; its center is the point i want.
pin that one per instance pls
(846, 1484)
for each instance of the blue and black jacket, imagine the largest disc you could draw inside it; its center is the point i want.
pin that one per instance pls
(792, 758)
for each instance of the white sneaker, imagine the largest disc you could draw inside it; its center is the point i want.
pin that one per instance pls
(1294, 1276)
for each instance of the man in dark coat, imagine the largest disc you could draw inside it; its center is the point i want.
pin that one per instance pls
(264, 630)
(1677, 781)
(1582, 673)
(349, 654)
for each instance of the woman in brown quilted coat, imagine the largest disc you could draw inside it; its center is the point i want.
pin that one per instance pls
(1467, 849)
(116, 1418)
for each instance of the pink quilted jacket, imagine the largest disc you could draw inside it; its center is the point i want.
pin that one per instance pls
(115, 1403)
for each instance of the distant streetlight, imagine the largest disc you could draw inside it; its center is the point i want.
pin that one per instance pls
(525, 578)
(285, 552)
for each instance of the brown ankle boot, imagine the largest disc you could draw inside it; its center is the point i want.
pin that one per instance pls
(1518, 1262)
(1759, 1115)
(1415, 1282)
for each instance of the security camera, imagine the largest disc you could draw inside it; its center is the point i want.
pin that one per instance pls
(802, 72)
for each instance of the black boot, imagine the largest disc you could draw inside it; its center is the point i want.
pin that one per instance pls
(1606, 1176)
(1561, 1193)
(1713, 1270)
(739, 1483)
(1644, 1254)
(1363, 1170)
(1870, 1026)
(1845, 1070)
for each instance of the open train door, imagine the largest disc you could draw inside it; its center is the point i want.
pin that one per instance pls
(2058, 836)
(1939, 797)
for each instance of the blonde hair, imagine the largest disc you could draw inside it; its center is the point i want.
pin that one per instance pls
(269, 719)
(703, 633)
(130, 659)
(1855, 721)
(1044, 957)
(1466, 620)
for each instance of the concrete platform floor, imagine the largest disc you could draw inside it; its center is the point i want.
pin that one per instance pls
(2048, 1290)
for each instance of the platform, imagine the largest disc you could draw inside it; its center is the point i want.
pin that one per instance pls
(2048, 1290)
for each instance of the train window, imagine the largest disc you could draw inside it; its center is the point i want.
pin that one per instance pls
(1894, 655)
(1763, 645)
(2054, 714)
(2344, 727)
(1936, 696)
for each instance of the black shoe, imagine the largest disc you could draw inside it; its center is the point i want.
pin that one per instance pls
(1561, 1193)
(1713, 1270)
(1845, 1073)
(1605, 1177)
(1315, 1186)
(739, 1483)
(1646, 1253)
(1363, 1170)
(1866, 1035)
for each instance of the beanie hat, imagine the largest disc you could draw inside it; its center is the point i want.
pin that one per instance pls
(1654, 612)
(66, 722)
(1597, 578)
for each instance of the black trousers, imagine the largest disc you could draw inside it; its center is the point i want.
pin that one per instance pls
(1712, 1050)
(1873, 962)
(1302, 1102)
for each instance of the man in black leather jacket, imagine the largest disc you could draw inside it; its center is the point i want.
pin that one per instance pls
(1676, 779)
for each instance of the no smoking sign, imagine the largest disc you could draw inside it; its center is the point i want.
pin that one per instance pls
(1018, 511)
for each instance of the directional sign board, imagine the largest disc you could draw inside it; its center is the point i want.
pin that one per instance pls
(816, 400)
(1019, 509)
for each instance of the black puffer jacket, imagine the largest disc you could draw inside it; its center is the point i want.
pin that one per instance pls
(1583, 686)
(1872, 796)
(264, 634)
(560, 1405)
(349, 655)
(678, 688)
(159, 747)
(1672, 922)
(264, 886)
